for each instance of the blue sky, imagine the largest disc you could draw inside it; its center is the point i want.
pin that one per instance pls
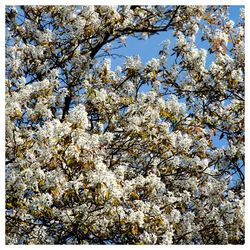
(149, 48)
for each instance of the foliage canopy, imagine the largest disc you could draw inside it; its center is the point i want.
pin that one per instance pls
(94, 157)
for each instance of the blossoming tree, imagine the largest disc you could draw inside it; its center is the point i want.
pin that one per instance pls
(94, 158)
